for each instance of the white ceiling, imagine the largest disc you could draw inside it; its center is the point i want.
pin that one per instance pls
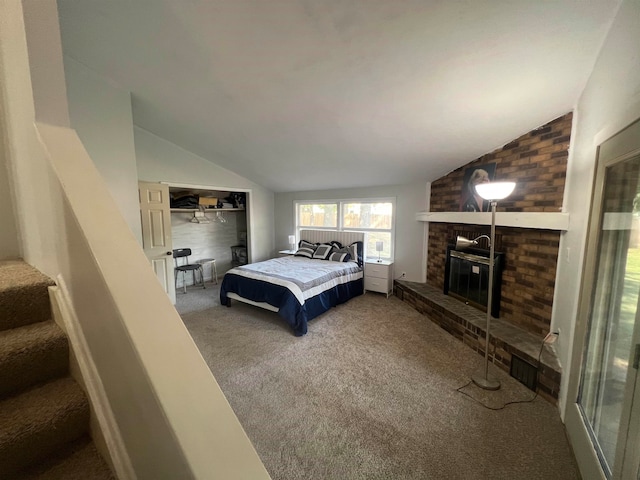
(319, 94)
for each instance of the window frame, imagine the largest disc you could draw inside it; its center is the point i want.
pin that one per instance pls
(340, 204)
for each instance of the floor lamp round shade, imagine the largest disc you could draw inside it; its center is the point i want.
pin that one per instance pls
(495, 190)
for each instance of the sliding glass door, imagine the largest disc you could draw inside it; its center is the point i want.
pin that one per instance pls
(608, 393)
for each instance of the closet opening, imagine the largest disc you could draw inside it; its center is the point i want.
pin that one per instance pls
(214, 223)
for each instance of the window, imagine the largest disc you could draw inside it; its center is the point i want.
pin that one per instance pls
(372, 216)
(318, 215)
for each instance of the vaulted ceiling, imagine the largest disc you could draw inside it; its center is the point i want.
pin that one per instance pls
(319, 94)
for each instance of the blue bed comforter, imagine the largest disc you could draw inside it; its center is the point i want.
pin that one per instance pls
(300, 288)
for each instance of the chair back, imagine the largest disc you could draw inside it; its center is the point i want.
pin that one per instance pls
(182, 253)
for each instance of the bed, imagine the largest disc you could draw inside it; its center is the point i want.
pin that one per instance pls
(326, 271)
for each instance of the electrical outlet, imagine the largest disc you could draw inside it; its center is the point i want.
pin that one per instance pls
(552, 337)
(404, 274)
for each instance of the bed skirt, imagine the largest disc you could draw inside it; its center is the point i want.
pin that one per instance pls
(285, 302)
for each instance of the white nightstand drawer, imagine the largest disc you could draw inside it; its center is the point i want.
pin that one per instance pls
(374, 270)
(376, 284)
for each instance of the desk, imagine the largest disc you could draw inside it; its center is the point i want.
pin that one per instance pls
(214, 270)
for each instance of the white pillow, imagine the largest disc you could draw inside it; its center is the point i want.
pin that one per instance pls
(339, 256)
(353, 251)
(304, 252)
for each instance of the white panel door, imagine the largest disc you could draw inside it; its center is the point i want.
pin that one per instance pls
(155, 215)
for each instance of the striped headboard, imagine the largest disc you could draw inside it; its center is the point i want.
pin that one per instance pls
(322, 236)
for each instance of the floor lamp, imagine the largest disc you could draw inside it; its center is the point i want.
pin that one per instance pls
(491, 192)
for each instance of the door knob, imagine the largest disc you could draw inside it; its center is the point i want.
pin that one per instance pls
(169, 253)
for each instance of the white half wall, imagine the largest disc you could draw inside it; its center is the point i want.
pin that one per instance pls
(174, 420)
(410, 250)
(162, 161)
(101, 114)
(609, 102)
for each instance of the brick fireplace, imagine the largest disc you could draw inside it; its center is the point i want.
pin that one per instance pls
(537, 162)
(528, 277)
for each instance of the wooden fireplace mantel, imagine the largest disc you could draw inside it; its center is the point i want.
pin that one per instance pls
(537, 220)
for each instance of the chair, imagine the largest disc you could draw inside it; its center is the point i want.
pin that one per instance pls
(183, 253)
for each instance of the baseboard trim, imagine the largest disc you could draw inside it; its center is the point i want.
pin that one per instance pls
(85, 372)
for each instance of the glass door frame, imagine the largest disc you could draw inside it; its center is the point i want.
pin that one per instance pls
(619, 148)
(628, 465)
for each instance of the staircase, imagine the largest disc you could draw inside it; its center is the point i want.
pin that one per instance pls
(44, 414)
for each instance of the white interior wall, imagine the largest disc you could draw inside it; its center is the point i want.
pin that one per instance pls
(410, 254)
(47, 73)
(609, 102)
(9, 241)
(37, 219)
(162, 161)
(9, 244)
(101, 114)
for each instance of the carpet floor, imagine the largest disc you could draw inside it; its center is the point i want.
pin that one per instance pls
(371, 393)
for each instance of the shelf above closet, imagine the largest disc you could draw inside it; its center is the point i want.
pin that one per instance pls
(191, 210)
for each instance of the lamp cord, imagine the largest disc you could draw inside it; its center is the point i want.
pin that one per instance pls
(460, 389)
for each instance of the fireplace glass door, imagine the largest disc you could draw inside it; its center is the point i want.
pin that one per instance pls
(467, 277)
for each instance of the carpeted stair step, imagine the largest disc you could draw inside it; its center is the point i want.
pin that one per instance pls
(24, 297)
(80, 461)
(39, 423)
(30, 355)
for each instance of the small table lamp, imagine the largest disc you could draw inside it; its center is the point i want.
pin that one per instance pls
(379, 248)
(292, 242)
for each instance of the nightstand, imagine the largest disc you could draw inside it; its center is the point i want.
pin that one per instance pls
(285, 253)
(378, 276)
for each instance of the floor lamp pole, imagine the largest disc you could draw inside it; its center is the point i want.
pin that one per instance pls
(484, 381)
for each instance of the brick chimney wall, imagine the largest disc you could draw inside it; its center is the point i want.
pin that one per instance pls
(537, 161)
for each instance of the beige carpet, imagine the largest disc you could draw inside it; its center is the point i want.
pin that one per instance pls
(370, 393)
